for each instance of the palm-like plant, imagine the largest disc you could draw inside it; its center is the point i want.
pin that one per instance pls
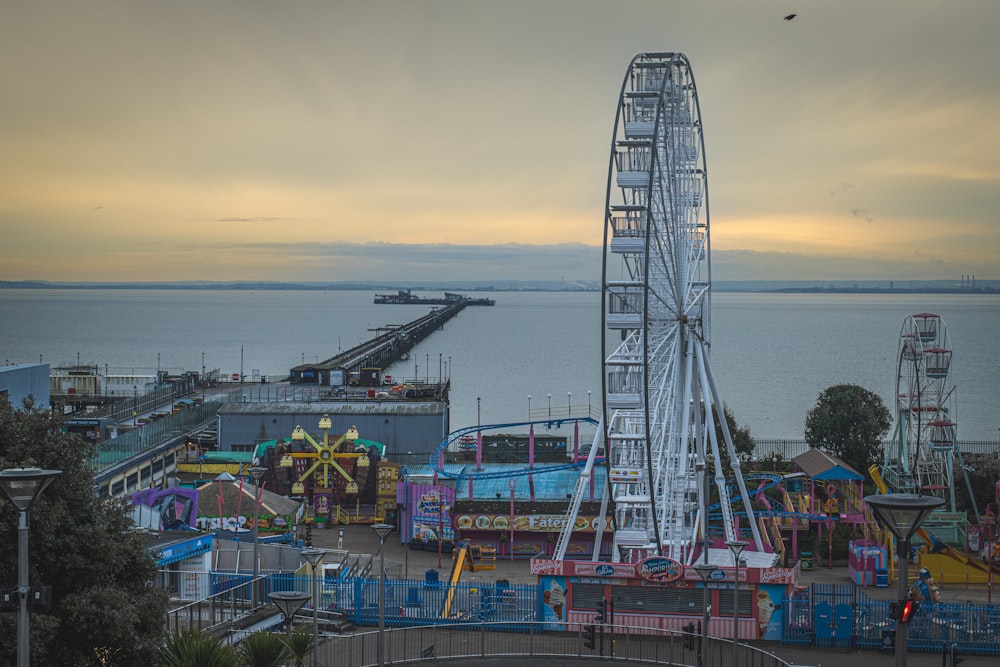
(263, 649)
(300, 644)
(195, 649)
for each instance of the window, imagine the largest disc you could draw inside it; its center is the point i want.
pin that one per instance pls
(654, 599)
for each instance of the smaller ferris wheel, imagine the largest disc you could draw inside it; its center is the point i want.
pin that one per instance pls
(923, 449)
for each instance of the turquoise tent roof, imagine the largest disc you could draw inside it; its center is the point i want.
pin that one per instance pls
(550, 482)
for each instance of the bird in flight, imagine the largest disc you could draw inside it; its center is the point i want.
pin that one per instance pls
(790, 17)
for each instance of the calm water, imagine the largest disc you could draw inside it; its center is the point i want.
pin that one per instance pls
(772, 353)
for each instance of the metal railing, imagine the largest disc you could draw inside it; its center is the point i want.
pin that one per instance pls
(220, 608)
(482, 640)
(765, 448)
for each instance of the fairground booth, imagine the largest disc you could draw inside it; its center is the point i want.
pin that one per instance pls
(661, 593)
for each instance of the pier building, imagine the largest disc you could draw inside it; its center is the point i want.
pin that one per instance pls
(19, 382)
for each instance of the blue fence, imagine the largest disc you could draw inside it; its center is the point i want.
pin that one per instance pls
(825, 615)
(407, 602)
(845, 617)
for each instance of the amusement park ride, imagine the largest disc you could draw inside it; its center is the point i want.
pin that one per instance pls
(332, 472)
(657, 435)
(660, 402)
(923, 454)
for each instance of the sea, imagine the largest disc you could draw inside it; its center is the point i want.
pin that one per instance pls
(771, 353)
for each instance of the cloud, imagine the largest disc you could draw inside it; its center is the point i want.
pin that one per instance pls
(863, 213)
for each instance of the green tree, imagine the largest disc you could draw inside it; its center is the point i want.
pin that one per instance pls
(104, 608)
(849, 422)
(742, 440)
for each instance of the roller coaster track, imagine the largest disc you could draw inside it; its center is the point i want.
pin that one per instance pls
(436, 456)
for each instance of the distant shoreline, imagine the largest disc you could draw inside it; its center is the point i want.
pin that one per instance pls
(759, 287)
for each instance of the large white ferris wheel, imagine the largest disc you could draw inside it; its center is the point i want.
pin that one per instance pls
(659, 394)
(922, 452)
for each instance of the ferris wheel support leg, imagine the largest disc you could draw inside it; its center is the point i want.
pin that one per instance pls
(709, 380)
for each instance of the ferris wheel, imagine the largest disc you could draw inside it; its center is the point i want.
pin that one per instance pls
(923, 446)
(659, 395)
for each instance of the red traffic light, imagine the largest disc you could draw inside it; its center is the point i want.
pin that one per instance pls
(907, 610)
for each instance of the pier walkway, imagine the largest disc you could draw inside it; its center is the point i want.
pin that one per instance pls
(379, 352)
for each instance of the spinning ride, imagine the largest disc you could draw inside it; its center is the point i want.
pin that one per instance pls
(317, 471)
(659, 396)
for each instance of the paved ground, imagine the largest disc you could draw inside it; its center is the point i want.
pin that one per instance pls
(413, 564)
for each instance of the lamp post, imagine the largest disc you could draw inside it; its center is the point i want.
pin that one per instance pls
(902, 513)
(705, 571)
(382, 530)
(736, 547)
(256, 473)
(289, 602)
(22, 486)
(315, 557)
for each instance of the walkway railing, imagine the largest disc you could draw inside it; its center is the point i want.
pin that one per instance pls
(483, 640)
(221, 608)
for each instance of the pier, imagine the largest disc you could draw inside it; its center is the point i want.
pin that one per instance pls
(348, 367)
(405, 297)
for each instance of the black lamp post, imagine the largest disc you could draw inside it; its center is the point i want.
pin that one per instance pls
(902, 513)
(736, 547)
(315, 557)
(22, 486)
(289, 602)
(382, 530)
(705, 571)
(256, 473)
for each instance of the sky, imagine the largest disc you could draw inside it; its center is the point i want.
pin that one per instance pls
(465, 139)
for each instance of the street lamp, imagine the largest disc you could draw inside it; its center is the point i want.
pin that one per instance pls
(315, 557)
(256, 473)
(902, 513)
(382, 530)
(736, 547)
(22, 486)
(289, 602)
(705, 571)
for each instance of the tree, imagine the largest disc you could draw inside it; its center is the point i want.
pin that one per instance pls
(742, 440)
(849, 422)
(105, 609)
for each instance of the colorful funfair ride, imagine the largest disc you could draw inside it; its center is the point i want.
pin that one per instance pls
(330, 473)
(922, 454)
